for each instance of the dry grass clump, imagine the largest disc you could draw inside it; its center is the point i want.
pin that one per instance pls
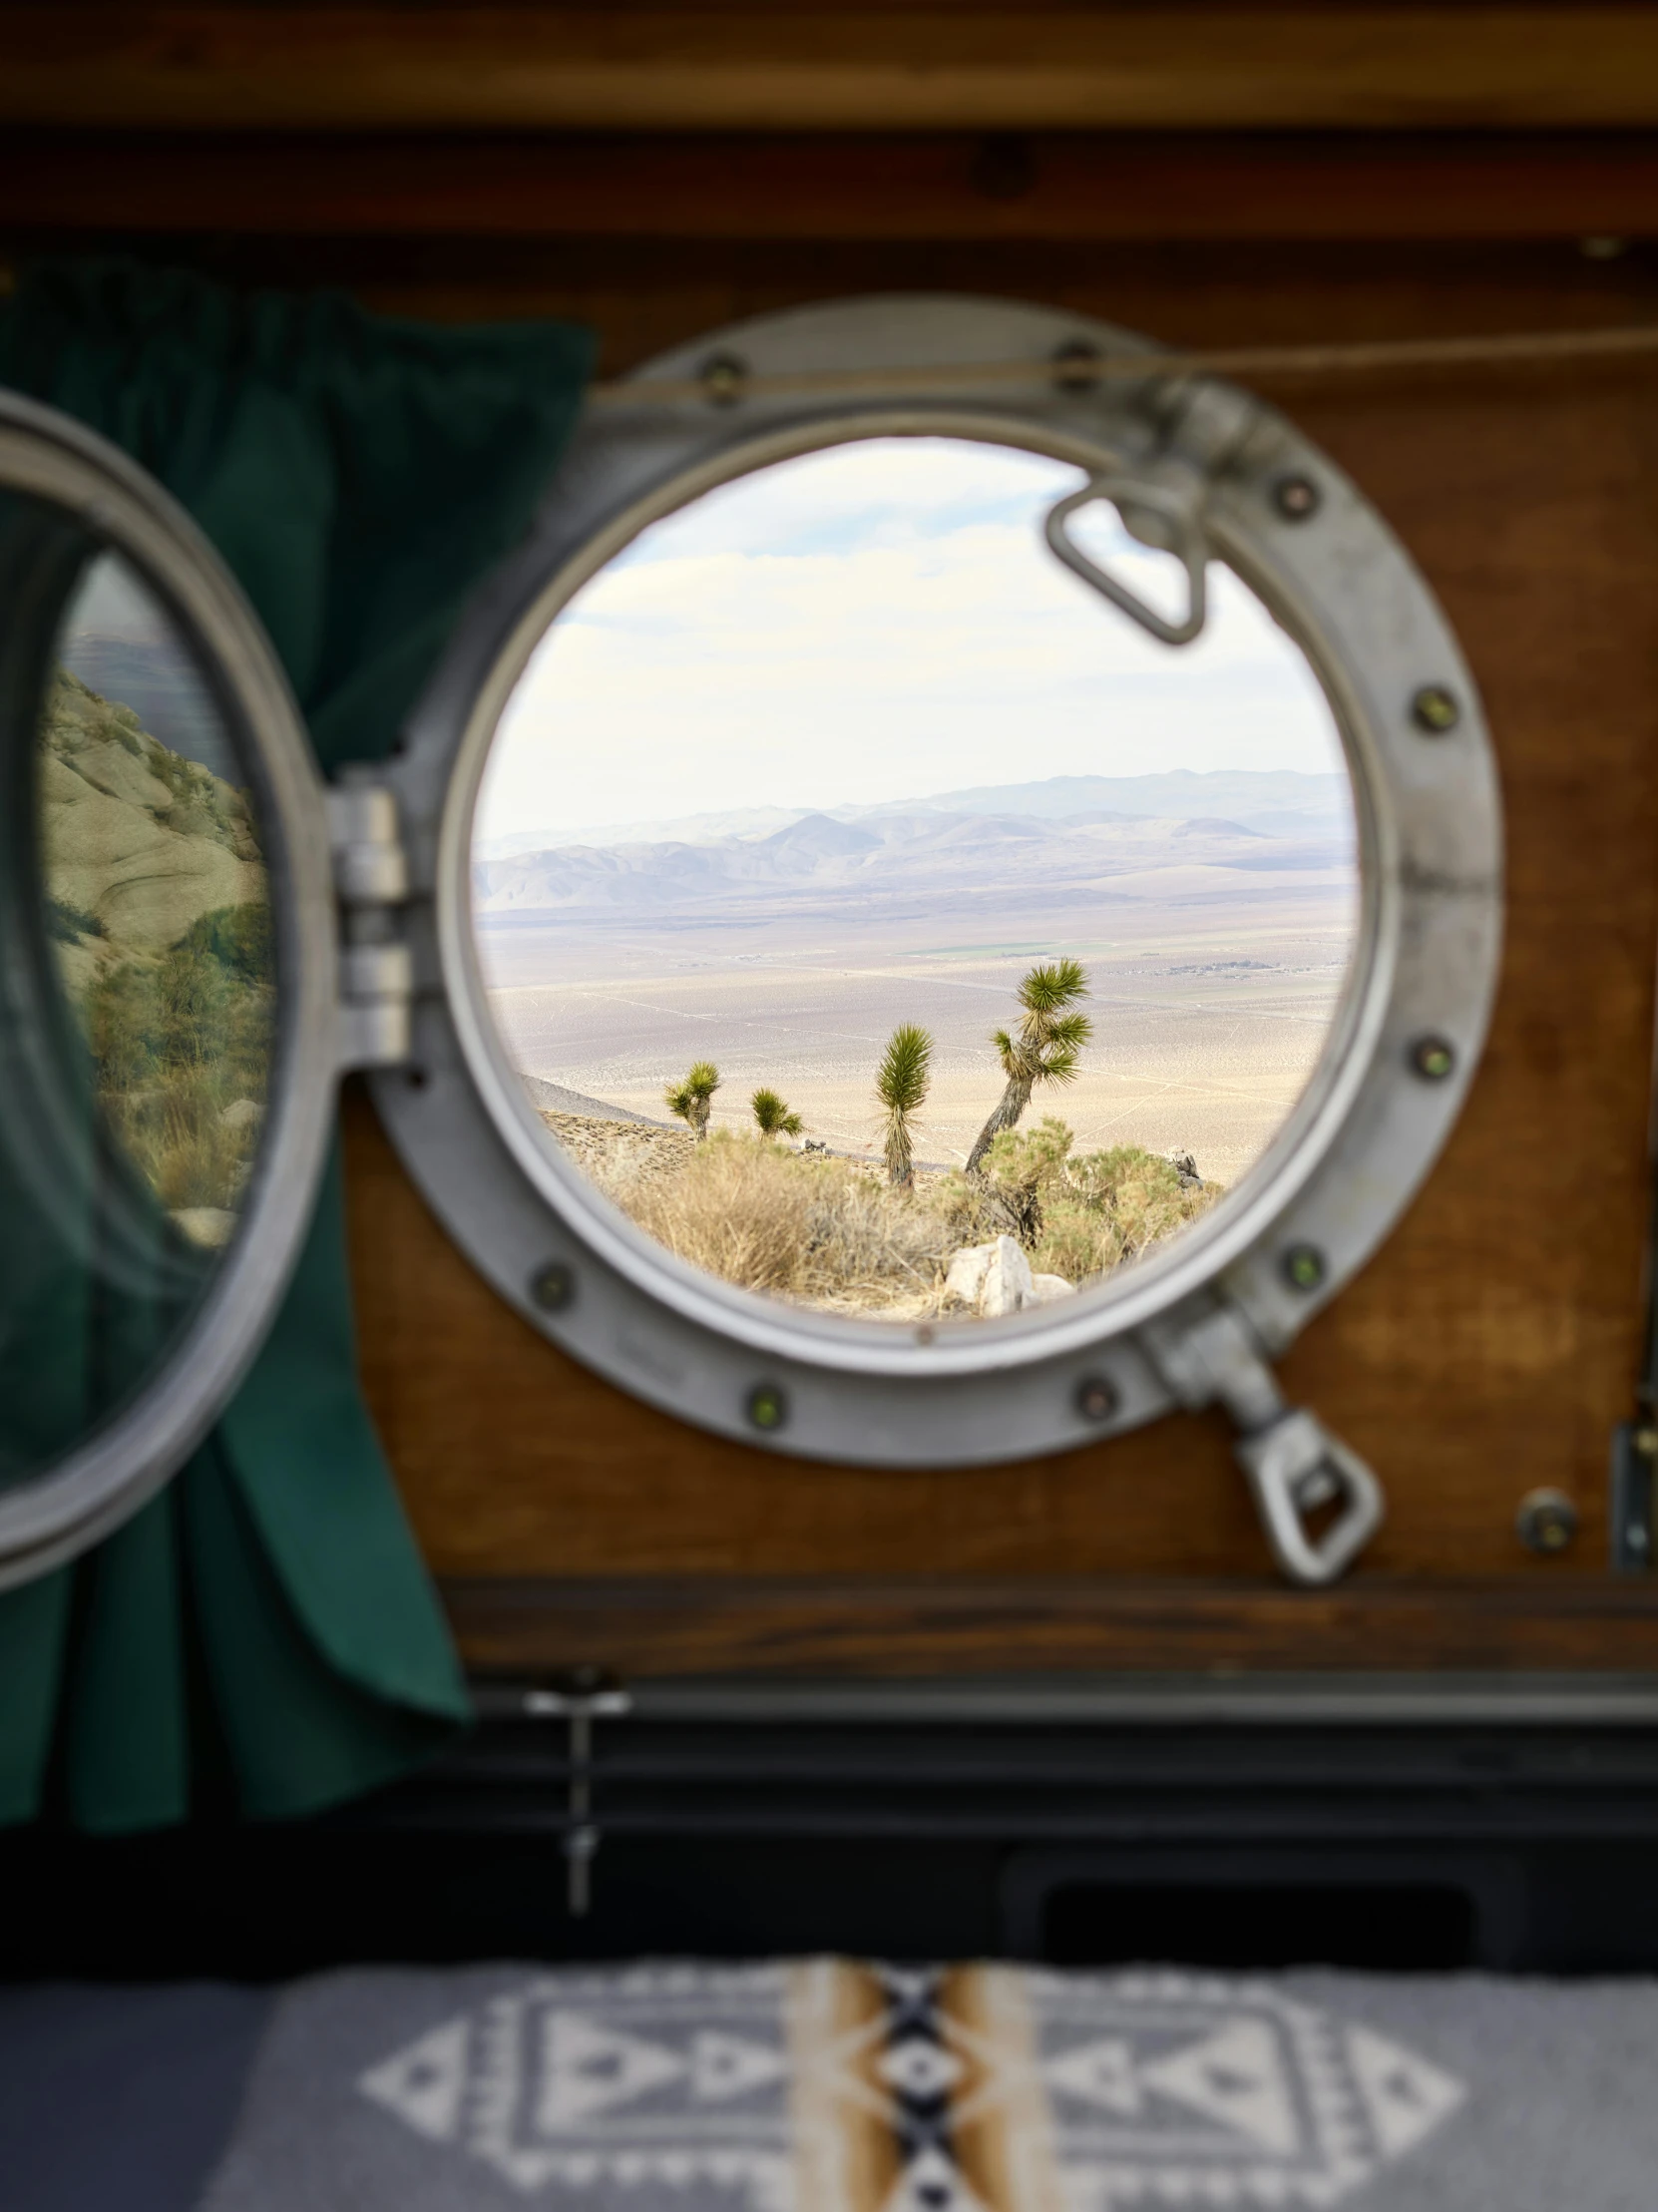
(828, 1233)
(833, 1233)
(180, 1049)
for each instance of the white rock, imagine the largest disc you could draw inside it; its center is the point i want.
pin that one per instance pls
(244, 1115)
(209, 1227)
(968, 1267)
(991, 1278)
(1045, 1288)
(1007, 1287)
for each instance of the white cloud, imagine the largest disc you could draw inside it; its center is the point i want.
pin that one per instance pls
(875, 623)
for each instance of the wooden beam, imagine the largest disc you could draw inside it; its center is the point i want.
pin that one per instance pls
(942, 68)
(844, 1626)
(1059, 188)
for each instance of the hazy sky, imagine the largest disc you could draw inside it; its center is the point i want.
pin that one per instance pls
(879, 622)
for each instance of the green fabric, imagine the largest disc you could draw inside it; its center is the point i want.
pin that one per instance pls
(359, 475)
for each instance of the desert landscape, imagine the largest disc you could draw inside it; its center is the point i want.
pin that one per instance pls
(158, 913)
(1214, 945)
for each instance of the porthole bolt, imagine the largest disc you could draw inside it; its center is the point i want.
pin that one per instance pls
(1096, 1398)
(1304, 1267)
(768, 1408)
(1434, 710)
(1296, 498)
(1433, 1058)
(724, 378)
(553, 1287)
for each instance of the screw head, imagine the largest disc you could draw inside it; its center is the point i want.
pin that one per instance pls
(1096, 1398)
(1296, 498)
(1432, 1058)
(552, 1286)
(1303, 1266)
(768, 1406)
(724, 377)
(1076, 366)
(1435, 710)
(1545, 1522)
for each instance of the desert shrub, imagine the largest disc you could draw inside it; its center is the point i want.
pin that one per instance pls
(825, 1231)
(67, 923)
(174, 1043)
(1081, 1215)
(238, 938)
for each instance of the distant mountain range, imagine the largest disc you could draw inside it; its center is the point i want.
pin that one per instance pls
(1028, 841)
(1259, 796)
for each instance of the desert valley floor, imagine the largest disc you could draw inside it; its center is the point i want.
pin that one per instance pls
(1208, 1013)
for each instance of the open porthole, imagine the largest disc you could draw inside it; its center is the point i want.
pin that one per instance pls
(956, 907)
(937, 910)
(168, 1032)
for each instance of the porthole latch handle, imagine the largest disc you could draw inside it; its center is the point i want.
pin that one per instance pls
(371, 883)
(1295, 1468)
(1164, 514)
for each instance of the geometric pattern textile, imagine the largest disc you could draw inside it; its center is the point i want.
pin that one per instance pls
(834, 2086)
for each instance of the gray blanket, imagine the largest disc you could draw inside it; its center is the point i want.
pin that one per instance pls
(830, 2086)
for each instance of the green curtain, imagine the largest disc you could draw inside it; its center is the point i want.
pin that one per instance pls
(359, 474)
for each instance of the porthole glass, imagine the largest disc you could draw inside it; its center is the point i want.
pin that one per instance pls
(146, 1016)
(884, 922)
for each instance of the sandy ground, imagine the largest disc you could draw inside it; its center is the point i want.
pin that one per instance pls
(1209, 1010)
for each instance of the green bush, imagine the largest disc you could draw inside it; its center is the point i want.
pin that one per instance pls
(66, 924)
(1080, 1214)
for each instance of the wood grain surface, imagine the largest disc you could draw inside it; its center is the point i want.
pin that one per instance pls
(826, 68)
(1493, 1344)
(821, 1628)
(1077, 187)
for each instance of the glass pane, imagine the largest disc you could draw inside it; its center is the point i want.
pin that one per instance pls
(139, 1035)
(886, 923)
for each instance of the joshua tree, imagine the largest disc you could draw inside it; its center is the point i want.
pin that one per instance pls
(693, 1100)
(774, 1116)
(1043, 1049)
(901, 1086)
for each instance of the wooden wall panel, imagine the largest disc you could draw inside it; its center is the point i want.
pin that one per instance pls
(867, 65)
(1490, 1347)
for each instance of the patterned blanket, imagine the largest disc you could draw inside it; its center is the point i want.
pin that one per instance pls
(831, 2086)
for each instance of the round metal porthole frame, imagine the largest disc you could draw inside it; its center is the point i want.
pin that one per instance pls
(54, 1515)
(1373, 1117)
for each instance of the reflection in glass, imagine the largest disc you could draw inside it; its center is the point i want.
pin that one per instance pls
(136, 1046)
(158, 906)
(885, 922)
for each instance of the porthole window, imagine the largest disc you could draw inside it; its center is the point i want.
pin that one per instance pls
(167, 1029)
(775, 783)
(938, 909)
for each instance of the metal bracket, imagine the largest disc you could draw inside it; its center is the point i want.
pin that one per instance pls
(1294, 1465)
(371, 882)
(584, 1699)
(1174, 511)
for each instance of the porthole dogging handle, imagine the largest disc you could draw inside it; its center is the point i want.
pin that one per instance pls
(1294, 1467)
(1177, 510)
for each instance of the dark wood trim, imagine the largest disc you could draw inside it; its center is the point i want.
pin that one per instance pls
(825, 68)
(902, 1626)
(1057, 188)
